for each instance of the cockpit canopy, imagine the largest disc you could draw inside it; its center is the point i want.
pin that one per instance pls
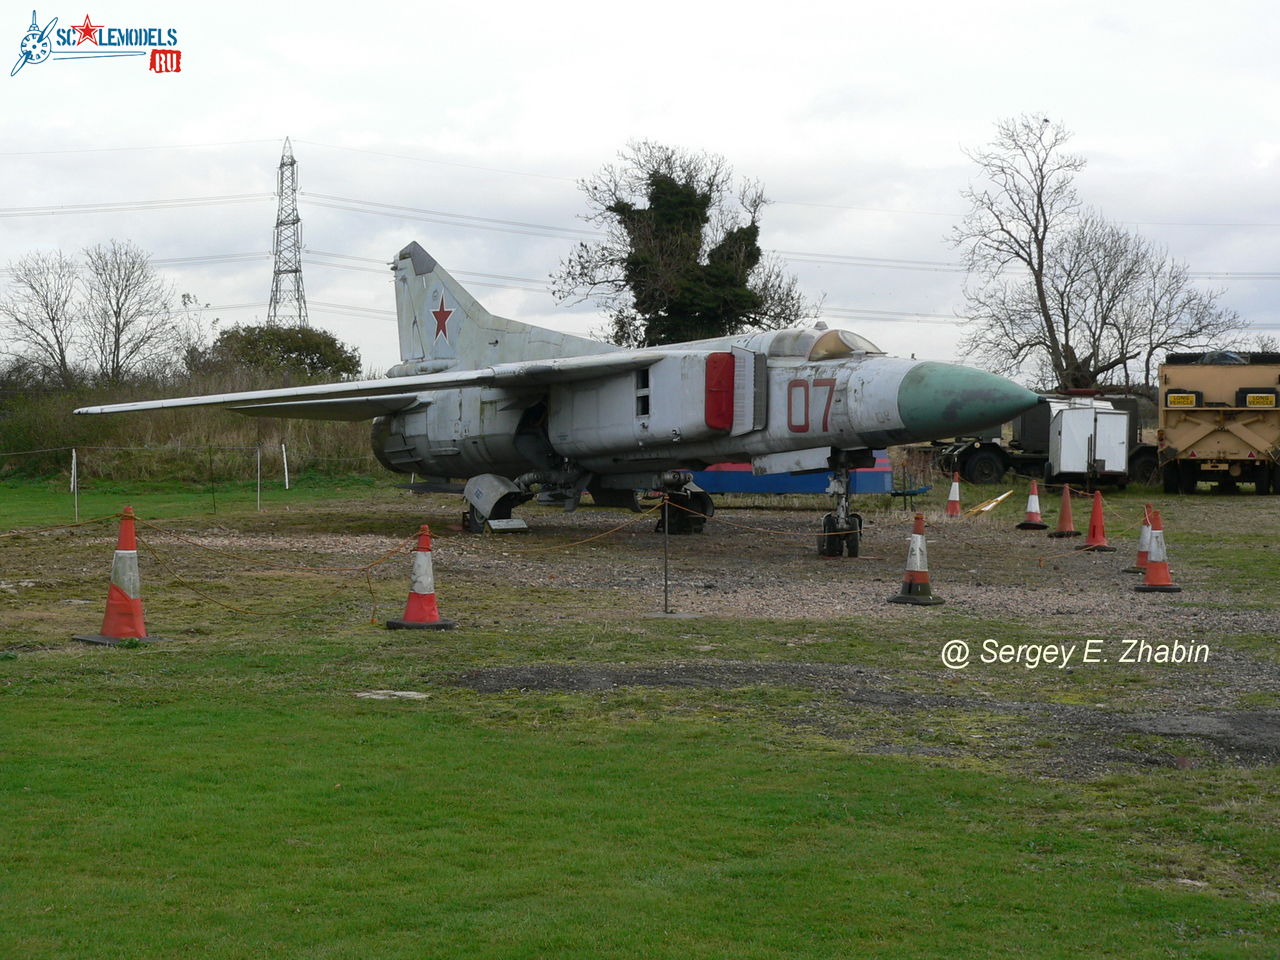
(819, 344)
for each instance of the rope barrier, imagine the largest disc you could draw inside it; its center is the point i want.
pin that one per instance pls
(61, 526)
(264, 563)
(598, 536)
(777, 533)
(310, 604)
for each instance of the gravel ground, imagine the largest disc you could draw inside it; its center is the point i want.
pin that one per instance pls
(753, 563)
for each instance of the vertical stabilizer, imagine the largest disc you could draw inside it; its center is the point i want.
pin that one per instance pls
(443, 327)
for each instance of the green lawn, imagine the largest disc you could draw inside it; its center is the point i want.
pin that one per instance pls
(192, 802)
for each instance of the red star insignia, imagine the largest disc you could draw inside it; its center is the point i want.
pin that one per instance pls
(88, 31)
(442, 319)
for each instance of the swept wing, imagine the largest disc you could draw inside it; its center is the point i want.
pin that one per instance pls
(362, 399)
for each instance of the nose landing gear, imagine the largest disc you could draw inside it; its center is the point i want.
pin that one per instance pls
(841, 528)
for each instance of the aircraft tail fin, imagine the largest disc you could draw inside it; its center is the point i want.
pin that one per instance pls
(443, 327)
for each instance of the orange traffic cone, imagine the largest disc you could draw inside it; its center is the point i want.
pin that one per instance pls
(123, 619)
(1157, 579)
(1097, 538)
(953, 499)
(421, 611)
(1033, 521)
(915, 579)
(1144, 543)
(1066, 525)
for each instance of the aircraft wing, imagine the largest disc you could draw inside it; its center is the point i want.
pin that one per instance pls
(343, 408)
(362, 399)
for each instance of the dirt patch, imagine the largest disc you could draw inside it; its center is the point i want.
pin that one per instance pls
(1064, 739)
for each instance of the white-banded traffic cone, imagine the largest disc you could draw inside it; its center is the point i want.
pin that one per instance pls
(1034, 520)
(953, 499)
(915, 579)
(1144, 543)
(1157, 579)
(421, 612)
(123, 619)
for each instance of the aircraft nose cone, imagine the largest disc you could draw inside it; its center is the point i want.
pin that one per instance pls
(939, 400)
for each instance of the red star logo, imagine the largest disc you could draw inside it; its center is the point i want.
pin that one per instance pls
(442, 319)
(88, 31)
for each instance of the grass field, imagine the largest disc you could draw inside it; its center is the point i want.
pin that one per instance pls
(228, 795)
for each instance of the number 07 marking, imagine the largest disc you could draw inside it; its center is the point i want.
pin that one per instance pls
(799, 406)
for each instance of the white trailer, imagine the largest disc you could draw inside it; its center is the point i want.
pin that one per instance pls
(1088, 438)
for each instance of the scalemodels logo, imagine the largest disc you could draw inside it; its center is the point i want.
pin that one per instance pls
(91, 40)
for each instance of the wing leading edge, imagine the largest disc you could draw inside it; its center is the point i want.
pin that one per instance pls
(362, 399)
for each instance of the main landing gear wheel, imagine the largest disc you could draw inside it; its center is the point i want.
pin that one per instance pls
(473, 520)
(686, 513)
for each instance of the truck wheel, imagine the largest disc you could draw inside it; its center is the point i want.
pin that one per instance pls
(1172, 480)
(1142, 470)
(984, 466)
(1188, 477)
(1265, 483)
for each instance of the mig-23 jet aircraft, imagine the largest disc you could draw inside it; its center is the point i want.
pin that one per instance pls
(518, 410)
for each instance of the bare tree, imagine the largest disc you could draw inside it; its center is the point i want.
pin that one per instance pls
(1030, 197)
(40, 314)
(1171, 314)
(130, 325)
(1264, 343)
(1060, 291)
(680, 258)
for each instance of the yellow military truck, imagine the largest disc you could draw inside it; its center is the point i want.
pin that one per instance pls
(1220, 420)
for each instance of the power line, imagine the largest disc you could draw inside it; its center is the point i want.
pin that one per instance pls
(216, 258)
(545, 176)
(168, 146)
(125, 206)
(399, 208)
(445, 163)
(539, 284)
(851, 262)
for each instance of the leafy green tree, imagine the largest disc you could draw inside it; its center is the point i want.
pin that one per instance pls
(680, 259)
(299, 351)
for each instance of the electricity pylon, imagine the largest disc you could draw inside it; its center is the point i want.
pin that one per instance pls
(288, 301)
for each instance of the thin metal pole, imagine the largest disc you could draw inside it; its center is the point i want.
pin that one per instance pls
(75, 482)
(666, 555)
(284, 455)
(213, 496)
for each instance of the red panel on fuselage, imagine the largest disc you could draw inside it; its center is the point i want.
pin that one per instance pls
(719, 402)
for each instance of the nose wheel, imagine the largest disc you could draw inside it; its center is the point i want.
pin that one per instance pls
(840, 537)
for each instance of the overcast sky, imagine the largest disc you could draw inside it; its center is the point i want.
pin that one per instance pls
(853, 116)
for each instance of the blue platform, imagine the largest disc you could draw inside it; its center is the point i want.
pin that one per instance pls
(738, 478)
